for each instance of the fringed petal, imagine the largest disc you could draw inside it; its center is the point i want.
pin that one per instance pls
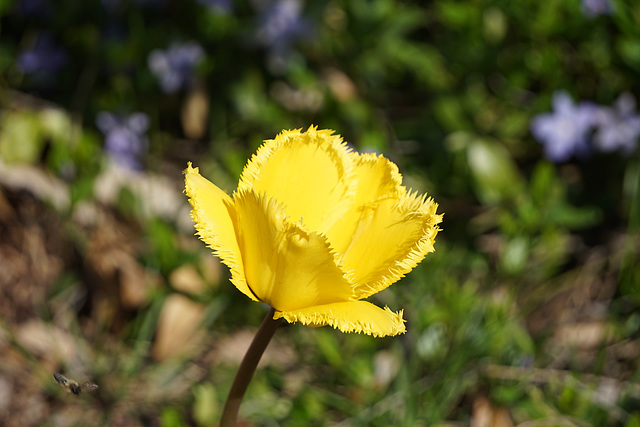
(353, 316)
(214, 216)
(310, 173)
(375, 177)
(286, 266)
(392, 237)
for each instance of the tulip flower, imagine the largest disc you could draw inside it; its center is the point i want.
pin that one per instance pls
(314, 228)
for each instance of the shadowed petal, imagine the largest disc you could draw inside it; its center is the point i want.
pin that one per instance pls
(286, 266)
(354, 316)
(214, 216)
(375, 177)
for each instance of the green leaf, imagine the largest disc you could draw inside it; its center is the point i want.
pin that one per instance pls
(629, 49)
(21, 138)
(172, 417)
(451, 114)
(205, 407)
(515, 255)
(496, 176)
(633, 421)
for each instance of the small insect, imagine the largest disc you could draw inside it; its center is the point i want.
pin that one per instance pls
(71, 386)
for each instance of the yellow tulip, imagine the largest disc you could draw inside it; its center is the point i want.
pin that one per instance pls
(314, 228)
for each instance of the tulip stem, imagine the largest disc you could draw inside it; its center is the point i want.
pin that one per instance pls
(247, 369)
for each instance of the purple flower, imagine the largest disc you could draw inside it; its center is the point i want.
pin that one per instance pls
(565, 131)
(281, 23)
(219, 7)
(618, 127)
(124, 137)
(44, 58)
(593, 8)
(174, 67)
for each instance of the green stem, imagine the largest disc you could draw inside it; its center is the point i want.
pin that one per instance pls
(247, 369)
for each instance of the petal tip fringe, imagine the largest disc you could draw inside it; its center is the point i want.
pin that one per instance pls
(395, 324)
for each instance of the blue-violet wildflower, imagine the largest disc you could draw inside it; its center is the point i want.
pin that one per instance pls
(175, 66)
(618, 127)
(44, 58)
(565, 131)
(593, 8)
(124, 137)
(218, 7)
(281, 23)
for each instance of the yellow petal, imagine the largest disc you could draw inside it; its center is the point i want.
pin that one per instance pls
(392, 237)
(310, 173)
(286, 266)
(214, 216)
(354, 316)
(375, 177)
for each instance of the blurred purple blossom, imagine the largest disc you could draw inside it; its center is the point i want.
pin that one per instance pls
(618, 127)
(280, 25)
(124, 137)
(593, 8)
(44, 58)
(219, 7)
(175, 66)
(565, 131)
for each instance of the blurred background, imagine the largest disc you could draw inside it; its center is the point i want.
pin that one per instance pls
(518, 117)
